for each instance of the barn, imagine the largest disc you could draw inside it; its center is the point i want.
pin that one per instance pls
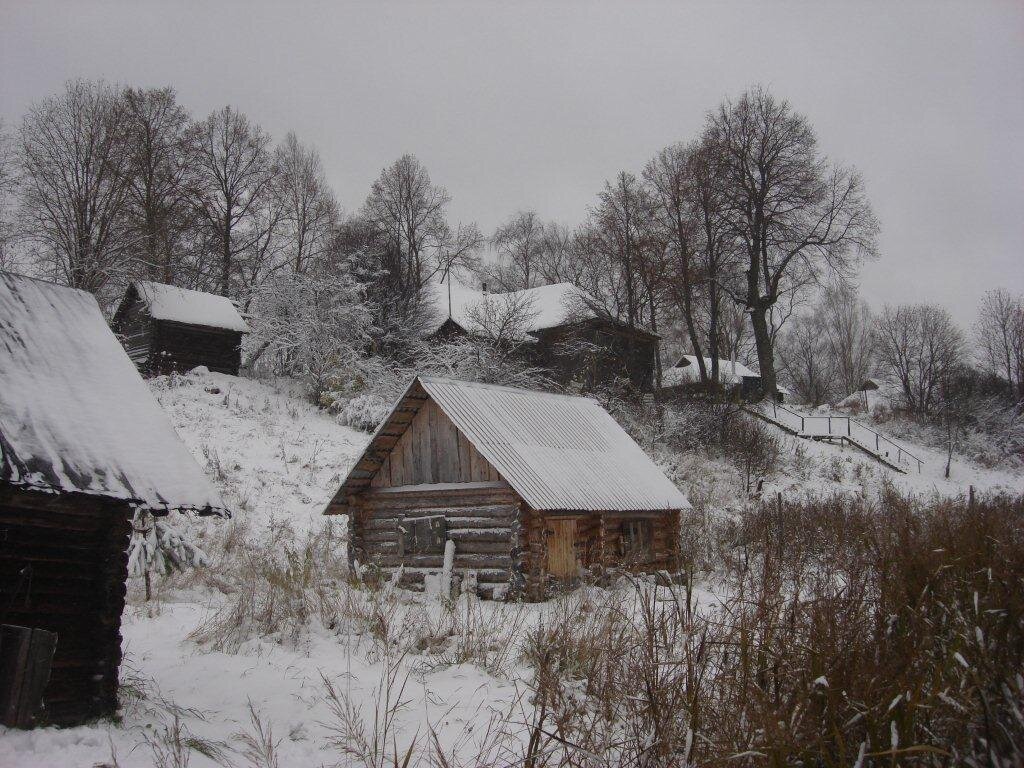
(559, 326)
(528, 487)
(684, 378)
(83, 444)
(165, 328)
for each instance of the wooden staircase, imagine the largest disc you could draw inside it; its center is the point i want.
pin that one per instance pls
(838, 429)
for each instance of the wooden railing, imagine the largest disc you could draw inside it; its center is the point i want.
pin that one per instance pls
(843, 427)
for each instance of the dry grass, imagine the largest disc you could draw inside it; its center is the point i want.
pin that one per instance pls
(852, 634)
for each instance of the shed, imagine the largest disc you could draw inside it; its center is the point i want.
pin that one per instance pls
(83, 444)
(165, 328)
(530, 487)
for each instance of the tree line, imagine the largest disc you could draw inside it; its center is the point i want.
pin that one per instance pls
(742, 243)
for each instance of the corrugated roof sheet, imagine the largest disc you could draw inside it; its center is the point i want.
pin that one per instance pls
(74, 413)
(558, 452)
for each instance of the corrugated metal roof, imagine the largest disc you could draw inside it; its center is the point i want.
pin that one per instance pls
(558, 452)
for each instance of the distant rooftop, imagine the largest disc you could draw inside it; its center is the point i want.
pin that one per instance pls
(183, 305)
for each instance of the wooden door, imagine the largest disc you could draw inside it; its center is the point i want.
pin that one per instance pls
(562, 549)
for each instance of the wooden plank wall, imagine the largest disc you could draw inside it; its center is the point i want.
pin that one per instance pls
(479, 517)
(433, 450)
(63, 568)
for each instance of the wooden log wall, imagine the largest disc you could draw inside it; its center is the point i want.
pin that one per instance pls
(63, 568)
(598, 544)
(179, 347)
(664, 550)
(479, 518)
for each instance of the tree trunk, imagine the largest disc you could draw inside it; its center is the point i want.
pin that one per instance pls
(765, 358)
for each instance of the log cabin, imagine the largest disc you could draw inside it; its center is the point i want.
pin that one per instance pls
(557, 327)
(532, 489)
(83, 445)
(166, 329)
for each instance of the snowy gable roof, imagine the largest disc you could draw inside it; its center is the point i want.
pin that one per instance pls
(547, 306)
(558, 452)
(182, 305)
(74, 413)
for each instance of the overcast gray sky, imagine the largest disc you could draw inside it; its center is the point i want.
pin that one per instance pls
(534, 105)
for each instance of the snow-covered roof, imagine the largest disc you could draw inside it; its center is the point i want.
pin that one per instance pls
(74, 413)
(558, 452)
(182, 305)
(547, 306)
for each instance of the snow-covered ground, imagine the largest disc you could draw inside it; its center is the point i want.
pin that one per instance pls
(275, 458)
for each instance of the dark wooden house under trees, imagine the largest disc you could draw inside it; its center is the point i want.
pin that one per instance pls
(558, 327)
(165, 329)
(83, 445)
(527, 488)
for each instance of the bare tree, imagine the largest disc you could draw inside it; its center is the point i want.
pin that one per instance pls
(999, 333)
(160, 215)
(848, 326)
(406, 215)
(919, 346)
(8, 183)
(620, 235)
(235, 175)
(520, 244)
(308, 208)
(668, 175)
(804, 356)
(559, 262)
(796, 216)
(74, 190)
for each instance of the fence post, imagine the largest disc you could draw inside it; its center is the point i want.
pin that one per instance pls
(802, 424)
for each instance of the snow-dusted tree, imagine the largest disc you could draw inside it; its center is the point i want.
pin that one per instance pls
(74, 160)
(310, 326)
(309, 211)
(796, 216)
(919, 345)
(999, 333)
(234, 175)
(161, 545)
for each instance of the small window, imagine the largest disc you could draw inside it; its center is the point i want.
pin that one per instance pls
(422, 535)
(636, 537)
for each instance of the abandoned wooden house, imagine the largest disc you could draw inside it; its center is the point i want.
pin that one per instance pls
(556, 326)
(83, 445)
(165, 329)
(528, 487)
(683, 379)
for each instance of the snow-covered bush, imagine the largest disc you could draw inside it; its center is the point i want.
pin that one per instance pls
(364, 391)
(161, 545)
(309, 327)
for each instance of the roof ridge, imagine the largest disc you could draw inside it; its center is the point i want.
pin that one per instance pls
(44, 281)
(503, 388)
